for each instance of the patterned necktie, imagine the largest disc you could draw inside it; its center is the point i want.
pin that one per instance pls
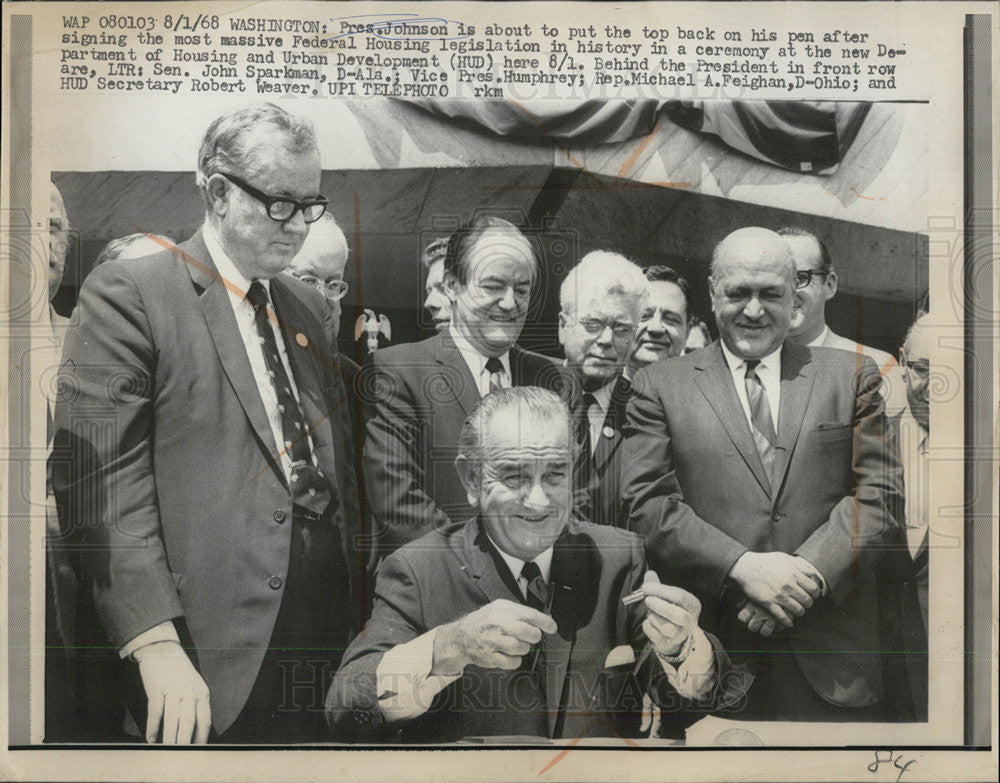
(495, 368)
(308, 485)
(538, 591)
(764, 436)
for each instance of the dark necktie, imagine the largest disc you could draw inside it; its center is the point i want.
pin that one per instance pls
(308, 486)
(538, 591)
(764, 436)
(495, 368)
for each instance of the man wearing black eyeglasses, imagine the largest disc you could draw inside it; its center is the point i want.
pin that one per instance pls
(203, 444)
(816, 284)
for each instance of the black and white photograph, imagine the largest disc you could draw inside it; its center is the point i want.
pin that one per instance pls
(500, 418)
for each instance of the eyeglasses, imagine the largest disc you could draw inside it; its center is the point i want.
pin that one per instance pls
(334, 289)
(619, 329)
(282, 208)
(804, 276)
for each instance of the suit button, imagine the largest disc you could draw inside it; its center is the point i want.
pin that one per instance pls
(275, 582)
(279, 516)
(776, 516)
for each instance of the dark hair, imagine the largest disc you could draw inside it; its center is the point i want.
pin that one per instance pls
(434, 252)
(460, 243)
(826, 260)
(662, 273)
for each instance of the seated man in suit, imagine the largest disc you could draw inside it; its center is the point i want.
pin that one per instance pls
(663, 327)
(419, 393)
(815, 285)
(513, 622)
(762, 475)
(600, 301)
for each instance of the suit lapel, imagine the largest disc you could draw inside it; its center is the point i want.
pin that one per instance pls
(456, 373)
(797, 377)
(483, 567)
(221, 321)
(303, 356)
(716, 383)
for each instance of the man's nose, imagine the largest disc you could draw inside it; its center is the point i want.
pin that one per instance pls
(508, 301)
(606, 336)
(536, 497)
(296, 223)
(656, 325)
(753, 308)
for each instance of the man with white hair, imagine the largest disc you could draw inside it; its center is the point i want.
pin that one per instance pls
(321, 263)
(202, 442)
(601, 301)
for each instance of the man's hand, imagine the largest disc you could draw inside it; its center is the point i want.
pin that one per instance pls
(781, 584)
(177, 695)
(758, 620)
(672, 615)
(495, 636)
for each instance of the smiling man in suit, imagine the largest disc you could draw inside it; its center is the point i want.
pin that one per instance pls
(203, 447)
(419, 393)
(513, 622)
(761, 474)
(601, 301)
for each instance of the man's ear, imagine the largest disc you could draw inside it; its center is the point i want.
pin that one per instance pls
(217, 188)
(468, 474)
(830, 286)
(563, 320)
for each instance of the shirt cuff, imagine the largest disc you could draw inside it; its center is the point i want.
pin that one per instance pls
(694, 677)
(403, 679)
(164, 632)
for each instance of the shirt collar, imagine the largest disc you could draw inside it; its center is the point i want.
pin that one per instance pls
(475, 360)
(818, 342)
(237, 284)
(603, 395)
(770, 362)
(515, 564)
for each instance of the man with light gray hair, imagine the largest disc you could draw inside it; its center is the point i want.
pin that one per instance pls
(601, 301)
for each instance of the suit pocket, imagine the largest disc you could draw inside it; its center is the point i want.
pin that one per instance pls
(833, 432)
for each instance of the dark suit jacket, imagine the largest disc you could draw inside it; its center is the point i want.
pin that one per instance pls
(600, 476)
(698, 493)
(417, 396)
(455, 570)
(164, 458)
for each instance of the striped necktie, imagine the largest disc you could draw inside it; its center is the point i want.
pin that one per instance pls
(764, 435)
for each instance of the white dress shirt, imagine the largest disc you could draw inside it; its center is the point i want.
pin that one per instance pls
(769, 372)
(477, 363)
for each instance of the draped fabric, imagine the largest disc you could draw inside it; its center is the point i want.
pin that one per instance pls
(803, 136)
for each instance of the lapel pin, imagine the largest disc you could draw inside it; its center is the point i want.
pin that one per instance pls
(608, 432)
(301, 339)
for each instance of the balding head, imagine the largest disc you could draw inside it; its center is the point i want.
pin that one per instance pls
(322, 260)
(752, 285)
